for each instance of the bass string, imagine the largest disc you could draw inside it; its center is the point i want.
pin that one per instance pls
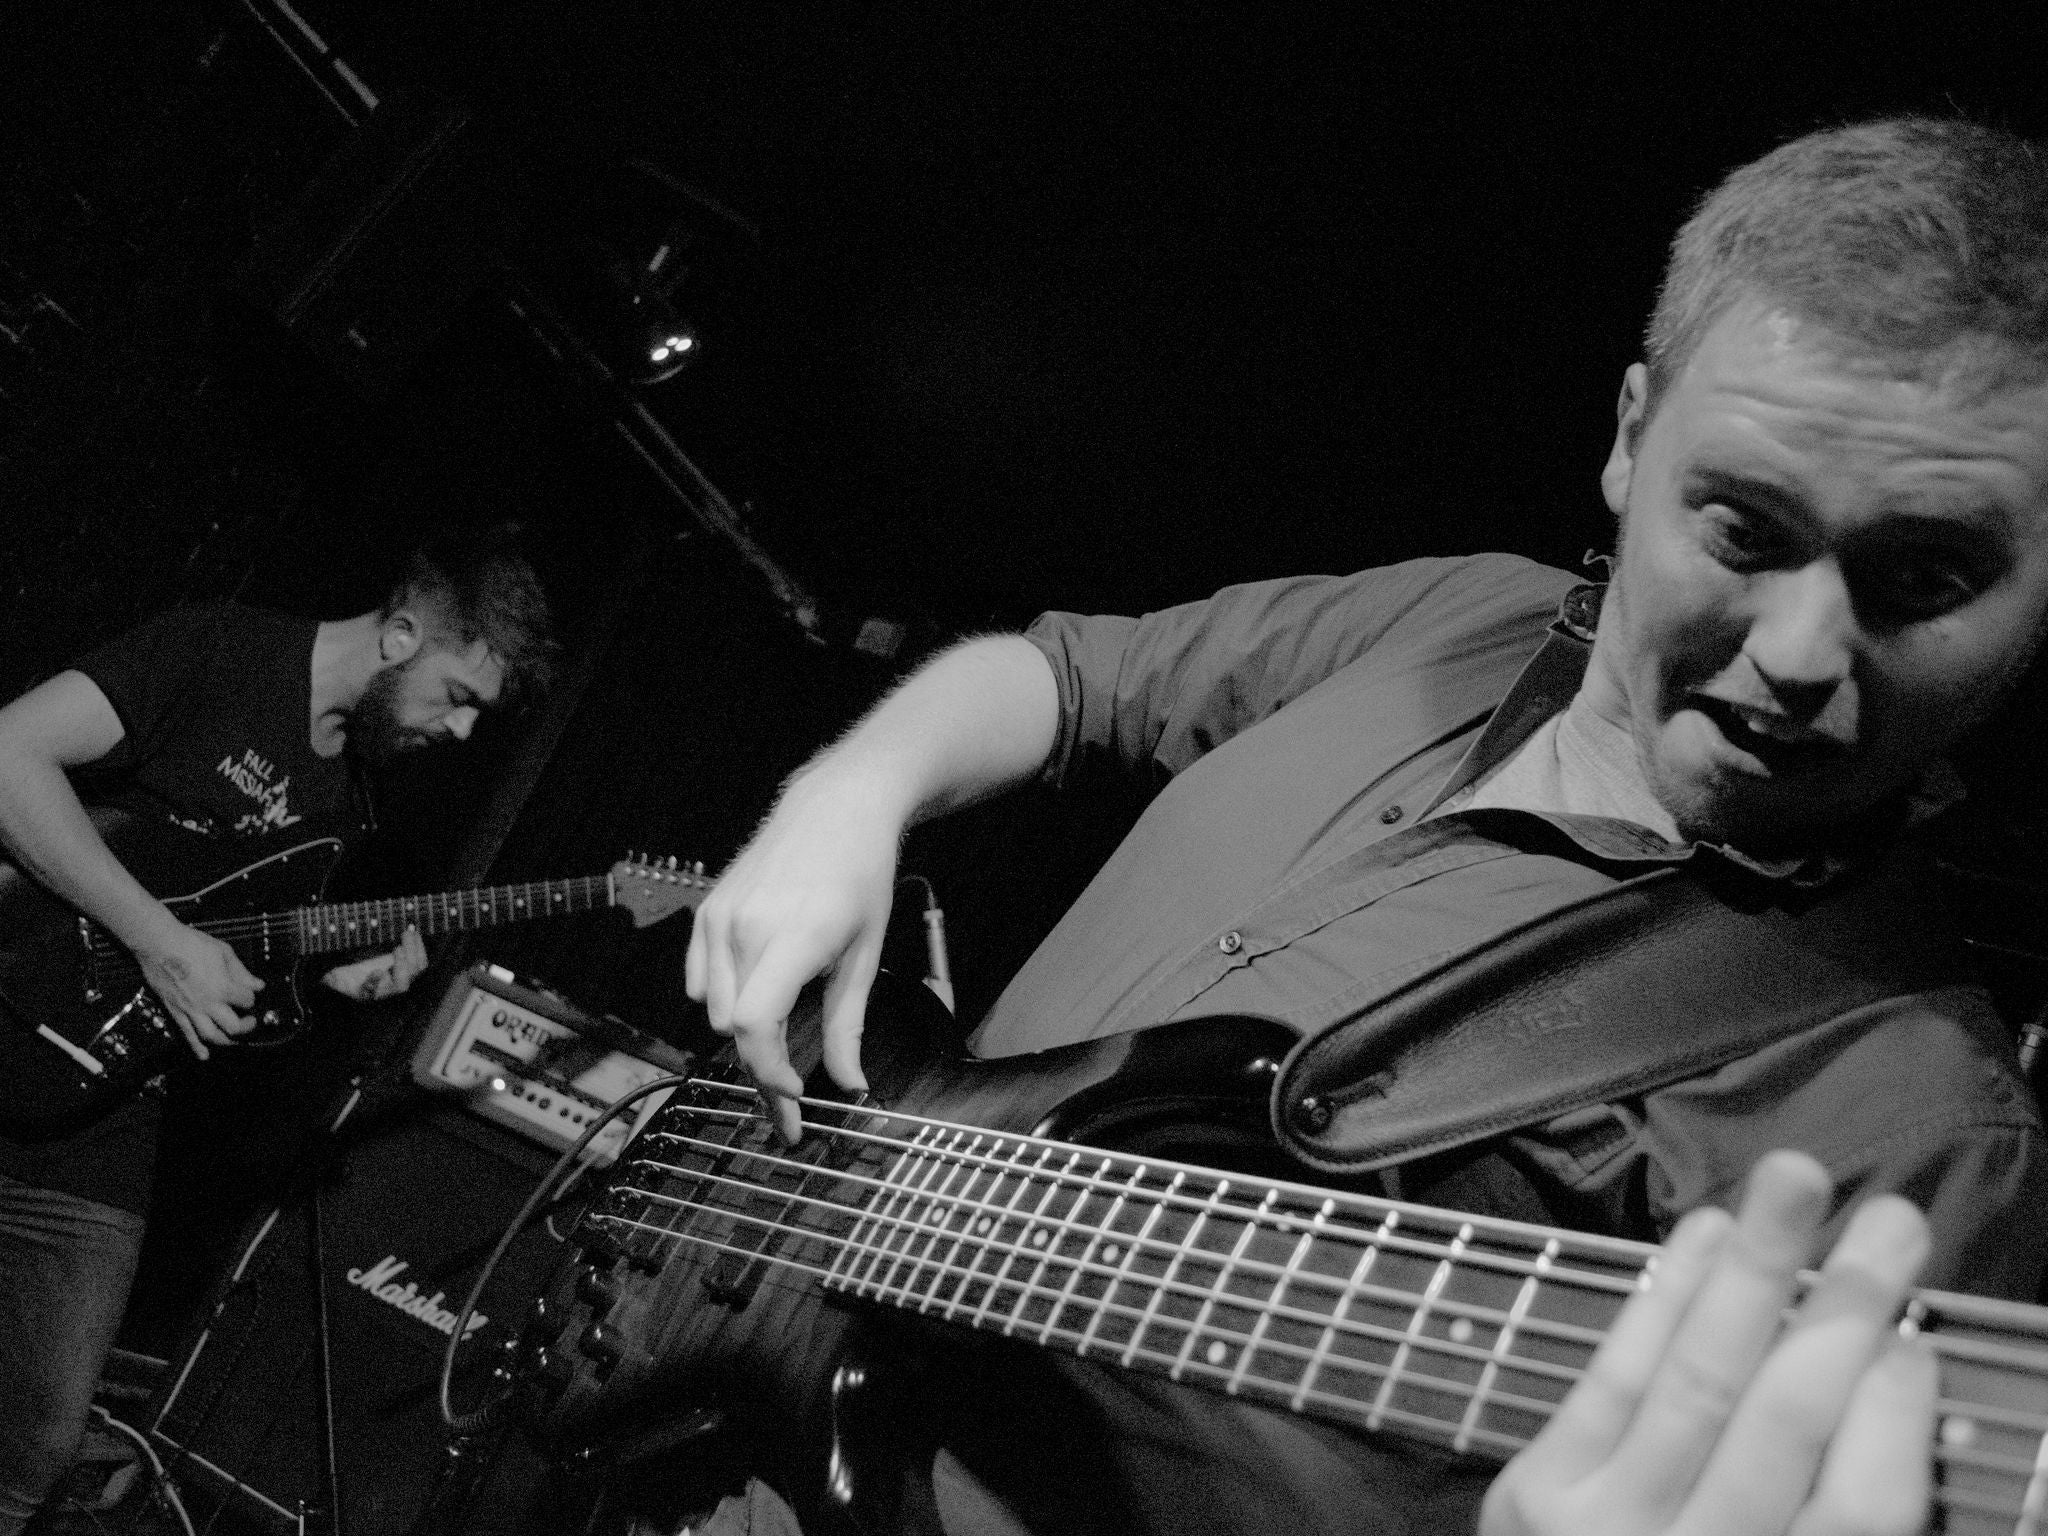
(1087, 1184)
(2020, 1471)
(923, 1287)
(1927, 1308)
(1021, 1246)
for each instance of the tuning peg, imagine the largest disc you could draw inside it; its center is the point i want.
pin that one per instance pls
(671, 861)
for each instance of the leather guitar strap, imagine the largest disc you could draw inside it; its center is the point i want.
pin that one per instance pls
(1665, 976)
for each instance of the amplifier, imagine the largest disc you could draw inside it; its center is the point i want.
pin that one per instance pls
(535, 1063)
(407, 1218)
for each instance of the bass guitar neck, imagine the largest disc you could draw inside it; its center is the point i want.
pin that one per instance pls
(715, 1241)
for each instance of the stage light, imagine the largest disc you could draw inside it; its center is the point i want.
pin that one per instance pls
(622, 313)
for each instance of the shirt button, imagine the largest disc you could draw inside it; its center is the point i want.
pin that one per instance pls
(1231, 942)
(1391, 814)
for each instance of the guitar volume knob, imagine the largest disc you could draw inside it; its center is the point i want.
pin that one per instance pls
(596, 1290)
(600, 1344)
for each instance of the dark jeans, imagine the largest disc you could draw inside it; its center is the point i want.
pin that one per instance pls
(65, 1268)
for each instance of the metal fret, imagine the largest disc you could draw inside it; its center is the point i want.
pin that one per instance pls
(1030, 1229)
(1503, 1345)
(1437, 1282)
(1080, 1271)
(1352, 1288)
(965, 1205)
(920, 1221)
(1216, 1196)
(1301, 1249)
(987, 1226)
(1218, 1287)
(1046, 1235)
(1132, 1247)
(880, 1223)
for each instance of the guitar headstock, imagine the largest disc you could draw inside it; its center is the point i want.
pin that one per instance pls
(652, 889)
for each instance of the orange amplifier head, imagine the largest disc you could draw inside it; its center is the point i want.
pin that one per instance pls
(534, 1062)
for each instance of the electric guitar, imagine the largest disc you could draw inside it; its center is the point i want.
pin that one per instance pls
(80, 1032)
(723, 1278)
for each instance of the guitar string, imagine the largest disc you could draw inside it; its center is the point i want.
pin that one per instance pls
(1622, 1250)
(1344, 1406)
(1957, 1455)
(1066, 1226)
(1022, 1177)
(453, 909)
(1596, 1248)
(925, 1296)
(1634, 1254)
(1047, 1329)
(1015, 1248)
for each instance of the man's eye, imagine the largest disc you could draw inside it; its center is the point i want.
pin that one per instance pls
(1741, 540)
(1908, 585)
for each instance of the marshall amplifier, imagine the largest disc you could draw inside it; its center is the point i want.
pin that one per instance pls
(424, 1191)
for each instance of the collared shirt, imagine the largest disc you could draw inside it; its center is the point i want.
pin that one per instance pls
(1292, 726)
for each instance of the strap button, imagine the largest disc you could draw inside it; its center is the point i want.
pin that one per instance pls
(1391, 814)
(1231, 942)
(1312, 1114)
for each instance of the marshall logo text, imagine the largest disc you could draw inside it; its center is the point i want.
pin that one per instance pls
(381, 1281)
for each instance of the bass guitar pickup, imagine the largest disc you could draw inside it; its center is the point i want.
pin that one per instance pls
(532, 1061)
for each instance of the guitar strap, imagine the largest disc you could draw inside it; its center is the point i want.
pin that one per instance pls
(1665, 976)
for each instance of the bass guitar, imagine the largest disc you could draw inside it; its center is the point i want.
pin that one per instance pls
(724, 1278)
(80, 1033)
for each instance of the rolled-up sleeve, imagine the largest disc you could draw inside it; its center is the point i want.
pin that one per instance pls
(1150, 695)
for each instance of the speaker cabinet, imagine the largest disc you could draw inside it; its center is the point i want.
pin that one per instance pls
(423, 1191)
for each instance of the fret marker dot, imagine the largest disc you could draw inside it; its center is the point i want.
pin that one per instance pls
(1461, 1330)
(1957, 1431)
(1217, 1353)
(937, 1218)
(983, 1227)
(1038, 1237)
(1111, 1253)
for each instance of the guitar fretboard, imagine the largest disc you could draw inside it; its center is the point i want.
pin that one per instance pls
(1361, 1311)
(373, 924)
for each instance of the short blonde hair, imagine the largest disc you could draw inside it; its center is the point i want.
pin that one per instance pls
(1908, 236)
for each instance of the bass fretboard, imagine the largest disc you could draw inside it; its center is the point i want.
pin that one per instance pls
(1361, 1311)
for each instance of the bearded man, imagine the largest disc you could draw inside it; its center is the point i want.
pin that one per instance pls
(240, 730)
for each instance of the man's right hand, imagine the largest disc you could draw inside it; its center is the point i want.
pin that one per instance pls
(809, 896)
(203, 983)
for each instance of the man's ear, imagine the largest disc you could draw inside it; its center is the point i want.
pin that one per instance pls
(398, 638)
(1630, 416)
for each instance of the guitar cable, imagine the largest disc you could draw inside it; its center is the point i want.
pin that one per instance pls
(493, 1412)
(938, 977)
(938, 973)
(166, 1489)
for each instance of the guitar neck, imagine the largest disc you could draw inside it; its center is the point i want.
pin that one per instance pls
(1361, 1311)
(340, 926)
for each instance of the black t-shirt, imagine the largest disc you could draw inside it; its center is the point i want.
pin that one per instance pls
(216, 706)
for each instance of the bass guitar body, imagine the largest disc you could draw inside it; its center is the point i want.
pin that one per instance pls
(658, 1368)
(1112, 1225)
(79, 1031)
